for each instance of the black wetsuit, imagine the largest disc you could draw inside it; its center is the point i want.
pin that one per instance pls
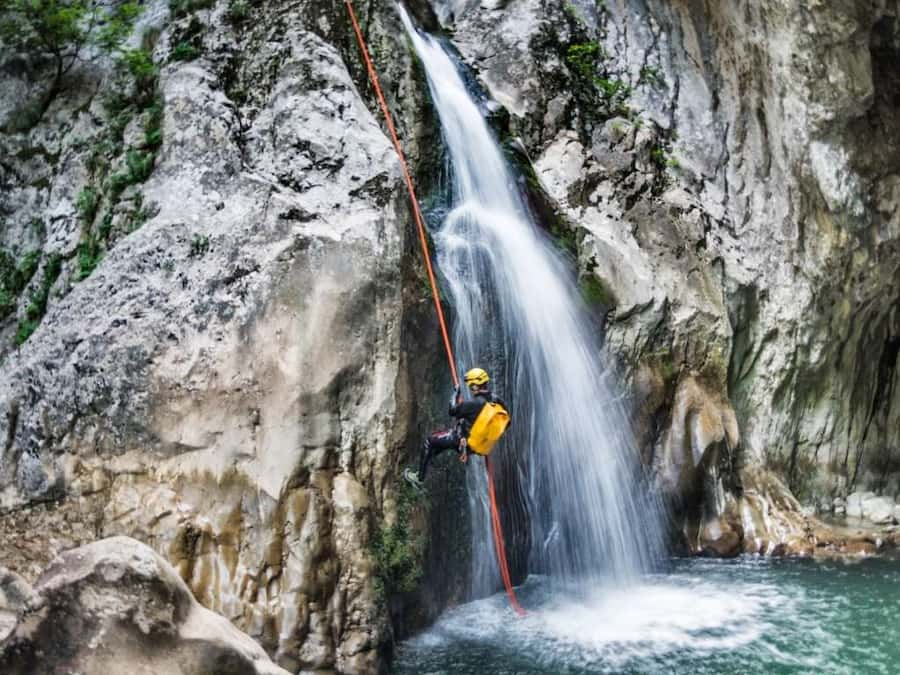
(449, 439)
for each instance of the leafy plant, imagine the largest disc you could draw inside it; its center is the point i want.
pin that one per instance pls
(563, 238)
(87, 202)
(139, 64)
(27, 267)
(117, 183)
(89, 255)
(650, 75)
(140, 165)
(199, 246)
(582, 58)
(614, 94)
(596, 292)
(64, 32)
(14, 278)
(397, 550)
(38, 305)
(153, 126)
(662, 158)
(238, 11)
(184, 51)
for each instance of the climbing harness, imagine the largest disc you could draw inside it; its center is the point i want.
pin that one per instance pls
(420, 224)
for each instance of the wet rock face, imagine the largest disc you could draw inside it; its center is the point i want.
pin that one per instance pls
(227, 384)
(737, 218)
(114, 606)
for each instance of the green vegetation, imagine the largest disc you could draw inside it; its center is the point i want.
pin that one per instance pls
(663, 158)
(153, 126)
(650, 75)
(238, 11)
(187, 34)
(14, 277)
(139, 165)
(184, 51)
(38, 305)
(658, 155)
(663, 362)
(594, 86)
(87, 203)
(563, 237)
(199, 246)
(135, 98)
(397, 550)
(64, 32)
(139, 64)
(614, 94)
(89, 255)
(582, 58)
(595, 291)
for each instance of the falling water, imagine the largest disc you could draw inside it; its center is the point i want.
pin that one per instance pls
(518, 312)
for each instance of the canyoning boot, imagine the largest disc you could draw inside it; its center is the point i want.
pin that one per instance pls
(412, 478)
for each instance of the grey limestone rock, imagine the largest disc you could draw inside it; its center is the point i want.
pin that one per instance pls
(116, 606)
(744, 236)
(227, 384)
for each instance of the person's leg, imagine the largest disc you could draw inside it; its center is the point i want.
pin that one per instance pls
(436, 444)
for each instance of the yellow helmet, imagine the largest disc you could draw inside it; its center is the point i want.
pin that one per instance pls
(477, 377)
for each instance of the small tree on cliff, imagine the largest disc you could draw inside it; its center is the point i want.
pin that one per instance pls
(64, 32)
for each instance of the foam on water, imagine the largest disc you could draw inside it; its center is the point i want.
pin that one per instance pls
(750, 616)
(614, 627)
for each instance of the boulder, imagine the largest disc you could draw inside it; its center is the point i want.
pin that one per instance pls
(115, 606)
(854, 505)
(879, 510)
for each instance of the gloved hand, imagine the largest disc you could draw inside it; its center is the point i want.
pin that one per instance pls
(456, 398)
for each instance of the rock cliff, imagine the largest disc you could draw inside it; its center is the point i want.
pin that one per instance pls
(217, 361)
(730, 174)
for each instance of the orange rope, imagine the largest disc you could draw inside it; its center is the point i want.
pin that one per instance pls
(423, 240)
(498, 541)
(420, 223)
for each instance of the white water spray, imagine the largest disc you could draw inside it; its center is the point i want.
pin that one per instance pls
(518, 312)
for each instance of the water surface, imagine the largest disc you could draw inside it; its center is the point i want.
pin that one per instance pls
(703, 616)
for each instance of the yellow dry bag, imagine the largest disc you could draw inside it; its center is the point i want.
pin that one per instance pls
(488, 428)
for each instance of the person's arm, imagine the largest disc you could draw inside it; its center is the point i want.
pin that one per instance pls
(455, 402)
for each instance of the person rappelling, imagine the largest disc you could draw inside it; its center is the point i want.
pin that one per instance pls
(480, 422)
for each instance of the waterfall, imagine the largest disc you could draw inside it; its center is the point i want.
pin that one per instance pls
(518, 313)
